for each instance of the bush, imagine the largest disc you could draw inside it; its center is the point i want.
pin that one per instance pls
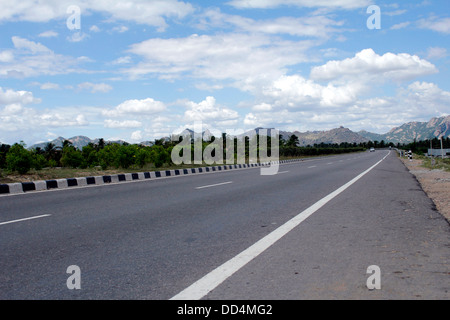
(39, 161)
(52, 163)
(124, 156)
(90, 156)
(71, 157)
(19, 159)
(4, 148)
(159, 156)
(142, 157)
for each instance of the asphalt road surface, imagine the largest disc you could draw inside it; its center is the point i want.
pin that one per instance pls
(309, 232)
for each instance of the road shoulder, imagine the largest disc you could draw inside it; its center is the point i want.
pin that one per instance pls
(435, 183)
(384, 220)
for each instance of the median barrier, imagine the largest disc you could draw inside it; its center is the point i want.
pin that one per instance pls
(43, 185)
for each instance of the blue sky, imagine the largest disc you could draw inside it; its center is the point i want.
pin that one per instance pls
(138, 70)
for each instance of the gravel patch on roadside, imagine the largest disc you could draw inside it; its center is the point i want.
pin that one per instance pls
(436, 184)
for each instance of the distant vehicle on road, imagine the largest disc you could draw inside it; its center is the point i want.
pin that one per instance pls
(372, 149)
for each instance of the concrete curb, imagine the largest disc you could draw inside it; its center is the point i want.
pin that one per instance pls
(25, 187)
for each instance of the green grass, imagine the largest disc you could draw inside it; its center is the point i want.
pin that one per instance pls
(439, 163)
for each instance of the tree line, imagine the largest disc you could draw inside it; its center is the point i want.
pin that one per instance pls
(17, 158)
(421, 147)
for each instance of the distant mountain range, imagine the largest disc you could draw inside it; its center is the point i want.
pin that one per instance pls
(413, 130)
(78, 142)
(337, 135)
(405, 133)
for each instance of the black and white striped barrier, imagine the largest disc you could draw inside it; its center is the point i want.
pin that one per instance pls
(410, 155)
(23, 187)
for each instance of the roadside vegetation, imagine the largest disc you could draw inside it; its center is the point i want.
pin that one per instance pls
(17, 163)
(435, 163)
(420, 151)
(421, 147)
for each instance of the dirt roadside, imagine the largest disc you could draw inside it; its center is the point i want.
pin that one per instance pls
(436, 184)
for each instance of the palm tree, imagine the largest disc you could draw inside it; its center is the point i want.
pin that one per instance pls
(49, 151)
(101, 144)
(293, 141)
(66, 143)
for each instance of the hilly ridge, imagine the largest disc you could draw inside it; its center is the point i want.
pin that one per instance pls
(411, 131)
(405, 133)
(78, 142)
(333, 136)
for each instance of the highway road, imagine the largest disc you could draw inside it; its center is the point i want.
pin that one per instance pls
(309, 232)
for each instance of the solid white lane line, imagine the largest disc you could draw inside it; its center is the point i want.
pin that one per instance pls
(282, 172)
(209, 282)
(24, 219)
(214, 185)
(312, 167)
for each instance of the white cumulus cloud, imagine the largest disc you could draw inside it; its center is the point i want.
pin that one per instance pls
(208, 111)
(367, 64)
(267, 4)
(142, 107)
(153, 13)
(233, 56)
(32, 59)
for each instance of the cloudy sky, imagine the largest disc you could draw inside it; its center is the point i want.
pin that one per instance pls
(138, 70)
